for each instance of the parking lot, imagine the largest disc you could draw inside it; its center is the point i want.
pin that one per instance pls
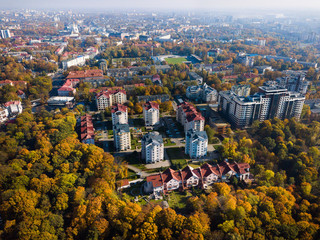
(172, 130)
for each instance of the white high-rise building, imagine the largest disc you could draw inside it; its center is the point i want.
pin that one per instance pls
(5, 33)
(119, 114)
(152, 147)
(122, 138)
(151, 113)
(196, 143)
(203, 93)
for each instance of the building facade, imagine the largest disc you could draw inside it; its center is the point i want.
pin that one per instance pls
(151, 113)
(202, 93)
(106, 99)
(196, 143)
(122, 138)
(119, 114)
(189, 117)
(188, 177)
(152, 147)
(272, 101)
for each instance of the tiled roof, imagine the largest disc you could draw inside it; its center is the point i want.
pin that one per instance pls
(118, 107)
(85, 74)
(149, 105)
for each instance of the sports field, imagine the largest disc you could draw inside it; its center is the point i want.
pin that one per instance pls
(175, 60)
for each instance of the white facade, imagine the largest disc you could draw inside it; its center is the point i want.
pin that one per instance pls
(196, 143)
(119, 117)
(78, 61)
(108, 98)
(4, 114)
(122, 138)
(152, 147)
(151, 114)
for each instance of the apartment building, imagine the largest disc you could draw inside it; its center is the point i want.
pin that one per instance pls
(188, 177)
(272, 101)
(151, 113)
(86, 129)
(105, 99)
(203, 93)
(152, 147)
(119, 114)
(122, 138)
(196, 143)
(241, 90)
(189, 117)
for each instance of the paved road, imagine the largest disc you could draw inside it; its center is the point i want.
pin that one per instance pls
(138, 171)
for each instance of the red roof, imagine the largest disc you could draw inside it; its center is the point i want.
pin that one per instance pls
(191, 112)
(87, 130)
(149, 105)
(85, 74)
(110, 92)
(7, 104)
(118, 107)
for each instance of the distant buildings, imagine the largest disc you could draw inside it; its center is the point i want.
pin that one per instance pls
(258, 42)
(272, 101)
(105, 99)
(86, 75)
(214, 52)
(241, 90)
(203, 93)
(87, 130)
(68, 88)
(77, 61)
(294, 81)
(122, 138)
(119, 114)
(152, 147)
(246, 59)
(162, 98)
(151, 113)
(5, 34)
(196, 143)
(189, 117)
(195, 77)
(13, 107)
(188, 177)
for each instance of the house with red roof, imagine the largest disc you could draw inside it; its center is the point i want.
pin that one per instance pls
(86, 129)
(68, 88)
(188, 177)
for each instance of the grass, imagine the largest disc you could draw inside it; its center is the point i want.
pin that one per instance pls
(167, 142)
(178, 200)
(175, 60)
(177, 157)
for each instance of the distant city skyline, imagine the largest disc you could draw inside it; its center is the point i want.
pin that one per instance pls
(164, 4)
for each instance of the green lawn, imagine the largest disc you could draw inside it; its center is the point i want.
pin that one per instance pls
(167, 142)
(177, 157)
(177, 200)
(175, 60)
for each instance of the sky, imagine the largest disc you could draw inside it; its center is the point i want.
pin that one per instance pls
(297, 5)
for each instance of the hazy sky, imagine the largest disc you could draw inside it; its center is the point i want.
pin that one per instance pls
(164, 4)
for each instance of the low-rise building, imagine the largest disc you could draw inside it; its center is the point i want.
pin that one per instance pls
(86, 129)
(195, 77)
(196, 143)
(151, 113)
(241, 90)
(188, 177)
(13, 107)
(119, 114)
(152, 147)
(122, 138)
(68, 88)
(202, 93)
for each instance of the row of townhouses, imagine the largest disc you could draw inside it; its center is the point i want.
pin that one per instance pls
(188, 177)
(86, 129)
